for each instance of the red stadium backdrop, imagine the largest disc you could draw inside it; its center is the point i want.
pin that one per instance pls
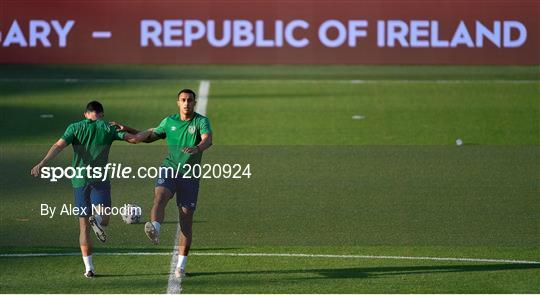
(270, 32)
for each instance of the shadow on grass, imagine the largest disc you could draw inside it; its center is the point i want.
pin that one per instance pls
(147, 274)
(373, 272)
(102, 251)
(176, 222)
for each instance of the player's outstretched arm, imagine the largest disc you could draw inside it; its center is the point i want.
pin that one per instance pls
(55, 149)
(143, 136)
(139, 137)
(124, 128)
(135, 136)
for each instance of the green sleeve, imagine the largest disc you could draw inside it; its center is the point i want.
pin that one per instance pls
(119, 135)
(160, 130)
(204, 126)
(69, 134)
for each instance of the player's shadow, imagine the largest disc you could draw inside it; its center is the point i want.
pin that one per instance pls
(146, 274)
(215, 249)
(176, 222)
(374, 272)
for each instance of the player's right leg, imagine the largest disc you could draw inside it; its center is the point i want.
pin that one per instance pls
(162, 194)
(100, 196)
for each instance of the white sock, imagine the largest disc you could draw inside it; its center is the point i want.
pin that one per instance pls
(156, 225)
(88, 263)
(181, 262)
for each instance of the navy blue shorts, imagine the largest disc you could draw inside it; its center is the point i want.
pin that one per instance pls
(186, 189)
(98, 193)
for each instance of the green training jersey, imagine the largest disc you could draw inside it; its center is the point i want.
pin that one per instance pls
(180, 134)
(91, 141)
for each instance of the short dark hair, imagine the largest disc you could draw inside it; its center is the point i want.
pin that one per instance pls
(186, 90)
(94, 106)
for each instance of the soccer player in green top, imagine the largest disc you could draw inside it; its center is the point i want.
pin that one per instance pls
(187, 135)
(91, 139)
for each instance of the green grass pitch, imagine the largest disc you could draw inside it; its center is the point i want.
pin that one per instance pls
(392, 183)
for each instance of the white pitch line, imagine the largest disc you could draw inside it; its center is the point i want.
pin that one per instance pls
(298, 255)
(173, 287)
(202, 101)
